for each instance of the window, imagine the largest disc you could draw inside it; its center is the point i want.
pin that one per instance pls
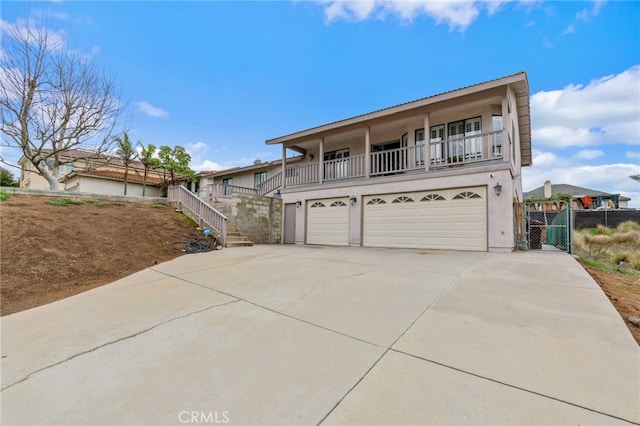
(496, 126)
(471, 147)
(338, 166)
(432, 197)
(317, 204)
(466, 195)
(376, 201)
(436, 134)
(403, 199)
(259, 178)
(419, 147)
(338, 204)
(226, 186)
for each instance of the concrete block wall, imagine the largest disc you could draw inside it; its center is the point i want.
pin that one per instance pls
(257, 217)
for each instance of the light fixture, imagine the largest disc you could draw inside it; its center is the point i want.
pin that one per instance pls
(498, 188)
(298, 203)
(353, 200)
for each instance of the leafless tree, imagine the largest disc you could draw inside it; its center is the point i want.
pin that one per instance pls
(53, 101)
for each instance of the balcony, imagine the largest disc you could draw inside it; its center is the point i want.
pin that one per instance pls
(441, 154)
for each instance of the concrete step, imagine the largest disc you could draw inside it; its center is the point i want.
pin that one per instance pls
(236, 239)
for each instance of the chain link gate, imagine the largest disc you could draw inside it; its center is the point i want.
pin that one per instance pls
(550, 229)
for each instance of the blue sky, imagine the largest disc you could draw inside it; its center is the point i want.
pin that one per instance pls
(219, 78)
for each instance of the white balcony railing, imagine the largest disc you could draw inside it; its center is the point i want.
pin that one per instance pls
(470, 149)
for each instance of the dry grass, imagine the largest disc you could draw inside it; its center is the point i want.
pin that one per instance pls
(610, 247)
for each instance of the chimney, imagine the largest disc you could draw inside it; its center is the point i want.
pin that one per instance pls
(547, 189)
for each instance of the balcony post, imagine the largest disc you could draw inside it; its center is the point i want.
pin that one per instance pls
(367, 152)
(284, 166)
(427, 143)
(321, 160)
(506, 124)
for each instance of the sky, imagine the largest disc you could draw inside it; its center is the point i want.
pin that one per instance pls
(220, 78)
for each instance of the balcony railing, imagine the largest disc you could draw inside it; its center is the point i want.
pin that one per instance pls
(270, 184)
(215, 191)
(470, 149)
(450, 152)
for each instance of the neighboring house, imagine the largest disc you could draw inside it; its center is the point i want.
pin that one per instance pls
(441, 172)
(101, 174)
(583, 198)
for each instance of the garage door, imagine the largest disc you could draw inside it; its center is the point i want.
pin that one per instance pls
(328, 222)
(450, 219)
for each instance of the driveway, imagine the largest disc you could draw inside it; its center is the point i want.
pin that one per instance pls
(297, 335)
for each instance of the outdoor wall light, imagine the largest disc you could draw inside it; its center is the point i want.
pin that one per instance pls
(498, 188)
(353, 200)
(298, 203)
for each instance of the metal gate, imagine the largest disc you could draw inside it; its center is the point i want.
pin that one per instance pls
(549, 230)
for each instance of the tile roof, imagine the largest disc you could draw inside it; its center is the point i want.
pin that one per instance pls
(133, 177)
(565, 189)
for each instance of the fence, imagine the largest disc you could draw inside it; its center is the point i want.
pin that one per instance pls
(551, 229)
(608, 218)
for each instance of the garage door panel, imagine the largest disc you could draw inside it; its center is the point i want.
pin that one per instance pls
(328, 222)
(448, 219)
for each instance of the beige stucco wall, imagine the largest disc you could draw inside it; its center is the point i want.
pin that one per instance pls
(499, 208)
(108, 187)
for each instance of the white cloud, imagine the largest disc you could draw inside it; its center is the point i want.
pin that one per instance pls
(569, 30)
(586, 14)
(634, 155)
(148, 109)
(607, 110)
(589, 154)
(457, 14)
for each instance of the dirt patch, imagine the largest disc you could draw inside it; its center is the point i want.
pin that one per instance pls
(624, 293)
(51, 252)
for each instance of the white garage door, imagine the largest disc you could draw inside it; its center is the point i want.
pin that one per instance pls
(328, 222)
(448, 219)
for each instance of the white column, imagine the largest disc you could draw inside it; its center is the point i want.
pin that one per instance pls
(284, 164)
(367, 152)
(427, 145)
(506, 124)
(321, 161)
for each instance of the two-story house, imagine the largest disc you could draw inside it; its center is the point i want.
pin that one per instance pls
(441, 172)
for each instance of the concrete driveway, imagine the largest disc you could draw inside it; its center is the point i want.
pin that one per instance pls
(290, 335)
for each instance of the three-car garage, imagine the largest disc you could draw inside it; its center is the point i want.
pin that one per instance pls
(454, 219)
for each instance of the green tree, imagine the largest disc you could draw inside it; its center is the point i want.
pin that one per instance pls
(127, 154)
(175, 162)
(6, 178)
(148, 161)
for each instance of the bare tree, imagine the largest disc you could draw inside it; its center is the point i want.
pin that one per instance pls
(52, 101)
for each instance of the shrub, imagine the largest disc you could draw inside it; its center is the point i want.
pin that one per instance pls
(635, 261)
(62, 202)
(602, 230)
(597, 239)
(98, 203)
(629, 225)
(628, 237)
(620, 256)
(4, 196)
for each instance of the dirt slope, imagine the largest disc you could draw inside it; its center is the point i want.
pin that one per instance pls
(51, 252)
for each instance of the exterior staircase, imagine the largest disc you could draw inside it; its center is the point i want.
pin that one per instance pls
(236, 239)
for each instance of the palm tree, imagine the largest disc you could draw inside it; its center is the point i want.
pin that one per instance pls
(148, 161)
(127, 154)
(635, 177)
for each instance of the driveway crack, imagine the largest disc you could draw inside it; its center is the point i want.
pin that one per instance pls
(120, 339)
